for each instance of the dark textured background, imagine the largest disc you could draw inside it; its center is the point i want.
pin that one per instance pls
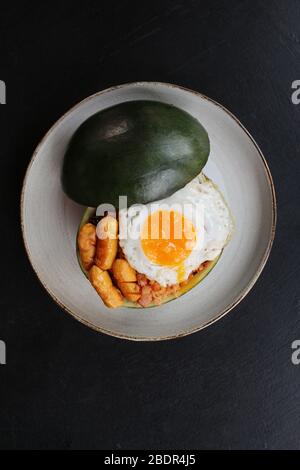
(230, 386)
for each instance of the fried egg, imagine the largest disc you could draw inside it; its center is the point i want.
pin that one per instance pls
(169, 239)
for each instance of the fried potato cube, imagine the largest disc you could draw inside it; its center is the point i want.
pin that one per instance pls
(102, 282)
(86, 240)
(133, 297)
(107, 242)
(130, 290)
(122, 271)
(129, 287)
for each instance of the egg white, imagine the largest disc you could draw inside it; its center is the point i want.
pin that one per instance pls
(201, 202)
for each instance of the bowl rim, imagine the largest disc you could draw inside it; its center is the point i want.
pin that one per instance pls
(250, 284)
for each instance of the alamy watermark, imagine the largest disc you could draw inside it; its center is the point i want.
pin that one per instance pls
(296, 94)
(2, 92)
(160, 220)
(295, 357)
(2, 343)
(2, 352)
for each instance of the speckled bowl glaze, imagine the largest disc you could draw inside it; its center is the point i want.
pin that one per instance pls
(50, 220)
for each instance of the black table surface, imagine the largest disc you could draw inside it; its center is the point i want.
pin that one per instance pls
(230, 386)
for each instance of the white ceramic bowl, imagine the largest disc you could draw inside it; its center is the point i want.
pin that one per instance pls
(50, 220)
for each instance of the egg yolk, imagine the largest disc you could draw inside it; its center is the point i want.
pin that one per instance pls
(167, 239)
